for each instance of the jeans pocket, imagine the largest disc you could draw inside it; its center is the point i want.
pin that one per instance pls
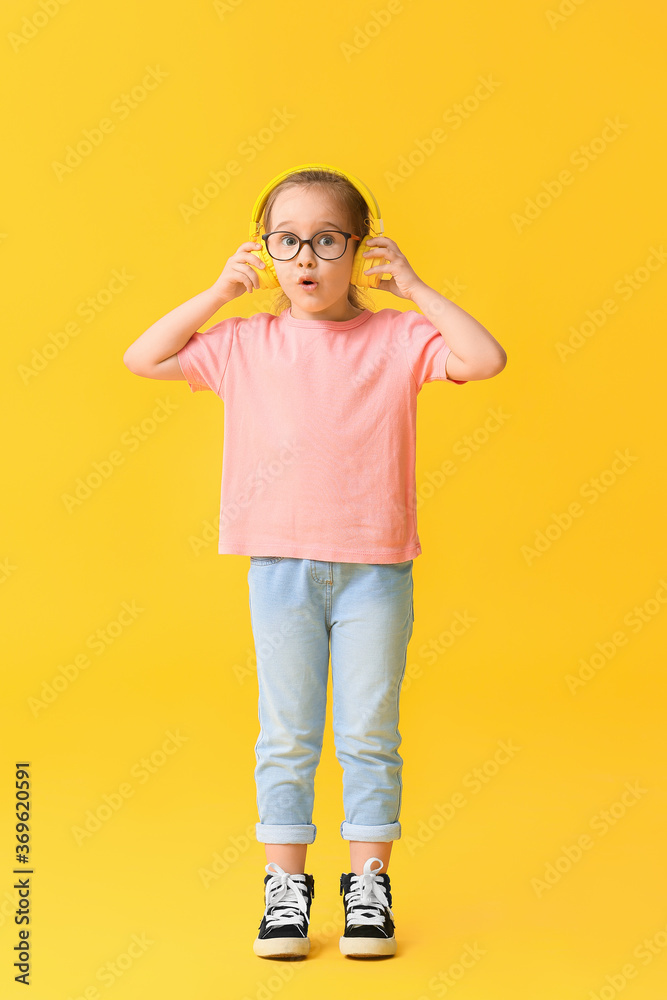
(265, 560)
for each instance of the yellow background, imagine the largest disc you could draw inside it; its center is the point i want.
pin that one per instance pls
(365, 86)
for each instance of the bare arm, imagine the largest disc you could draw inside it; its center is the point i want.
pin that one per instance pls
(476, 354)
(153, 354)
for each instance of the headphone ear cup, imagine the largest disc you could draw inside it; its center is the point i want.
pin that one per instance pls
(361, 263)
(267, 274)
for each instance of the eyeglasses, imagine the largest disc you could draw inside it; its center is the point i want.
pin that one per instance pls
(331, 244)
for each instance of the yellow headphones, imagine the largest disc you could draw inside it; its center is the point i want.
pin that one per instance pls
(267, 275)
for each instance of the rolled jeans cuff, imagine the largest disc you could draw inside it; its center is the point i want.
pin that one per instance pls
(285, 833)
(370, 834)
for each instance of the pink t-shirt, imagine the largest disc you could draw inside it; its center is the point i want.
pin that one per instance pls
(319, 432)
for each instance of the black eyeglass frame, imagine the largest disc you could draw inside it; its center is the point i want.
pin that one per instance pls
(348, 237)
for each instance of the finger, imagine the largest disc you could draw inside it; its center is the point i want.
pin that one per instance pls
(384, 268)
(247, 277)
(378, 241)
(251, 259)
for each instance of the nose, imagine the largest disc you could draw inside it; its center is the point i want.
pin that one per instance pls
(311, 255)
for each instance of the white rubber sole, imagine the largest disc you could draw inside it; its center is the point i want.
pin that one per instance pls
(281, 947)
(367, 947)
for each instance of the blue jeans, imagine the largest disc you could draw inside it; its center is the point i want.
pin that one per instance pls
(366, 611)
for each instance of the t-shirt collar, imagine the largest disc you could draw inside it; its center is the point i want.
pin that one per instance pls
(346, 324)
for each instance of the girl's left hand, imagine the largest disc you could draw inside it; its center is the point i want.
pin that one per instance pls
(404, 281)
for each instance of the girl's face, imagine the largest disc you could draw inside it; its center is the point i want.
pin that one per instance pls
(305, 212)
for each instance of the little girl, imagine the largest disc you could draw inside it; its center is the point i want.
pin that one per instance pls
(318, 488)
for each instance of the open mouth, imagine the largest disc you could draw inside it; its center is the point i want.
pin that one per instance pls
(307, 283)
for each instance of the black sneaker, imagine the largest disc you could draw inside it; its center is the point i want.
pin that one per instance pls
(369, 924)
(283, 932)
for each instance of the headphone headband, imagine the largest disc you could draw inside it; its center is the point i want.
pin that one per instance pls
(364, 191)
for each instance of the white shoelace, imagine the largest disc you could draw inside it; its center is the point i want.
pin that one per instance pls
(367, 898)
(283, 893)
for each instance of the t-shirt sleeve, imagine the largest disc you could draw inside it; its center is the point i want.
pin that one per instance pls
(204, 358)
(425, 349)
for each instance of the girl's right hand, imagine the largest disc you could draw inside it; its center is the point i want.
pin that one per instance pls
(238, 276)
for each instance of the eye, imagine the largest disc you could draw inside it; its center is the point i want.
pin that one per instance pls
(285, 239)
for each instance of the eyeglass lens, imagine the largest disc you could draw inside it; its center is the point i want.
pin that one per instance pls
(327, 245)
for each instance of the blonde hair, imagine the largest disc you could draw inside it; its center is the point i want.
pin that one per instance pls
(349, 200)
